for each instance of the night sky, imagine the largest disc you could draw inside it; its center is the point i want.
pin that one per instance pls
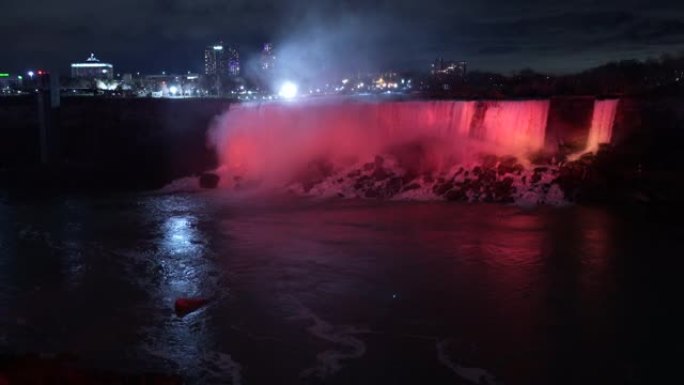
(326, 35)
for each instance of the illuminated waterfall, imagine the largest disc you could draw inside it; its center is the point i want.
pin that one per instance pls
(516, 125)
(603, 118)
(273, 137)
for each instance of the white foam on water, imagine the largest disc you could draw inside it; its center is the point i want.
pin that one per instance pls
(330, 361)
(470, 374)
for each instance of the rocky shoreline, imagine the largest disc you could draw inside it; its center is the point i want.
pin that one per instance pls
(604, 177)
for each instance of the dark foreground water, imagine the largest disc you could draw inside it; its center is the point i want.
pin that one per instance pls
(342, 292)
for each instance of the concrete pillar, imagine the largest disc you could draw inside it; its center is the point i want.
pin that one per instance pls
(48, 118)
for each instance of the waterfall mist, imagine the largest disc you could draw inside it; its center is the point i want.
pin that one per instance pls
(274, 141)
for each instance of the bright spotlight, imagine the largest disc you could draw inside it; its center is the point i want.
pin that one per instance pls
(173, 90)
(288, 90)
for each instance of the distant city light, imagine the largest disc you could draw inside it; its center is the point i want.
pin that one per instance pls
(106, 85)
(4, 75)
(218, 47)
(30, 74)
(173, 90)
(288, 90)
(90, 65)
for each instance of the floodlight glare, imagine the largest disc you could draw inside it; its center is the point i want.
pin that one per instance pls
(288, 90)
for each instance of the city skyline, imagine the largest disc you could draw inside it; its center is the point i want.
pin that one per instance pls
(354, 35)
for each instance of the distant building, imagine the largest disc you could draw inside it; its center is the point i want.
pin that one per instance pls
(172, 84)
(221, 60)
(10, 82)
(92, 68)
(268, 57)
(233, 62)
(215, 62)
(449, 67)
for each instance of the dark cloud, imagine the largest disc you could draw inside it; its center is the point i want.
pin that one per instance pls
(326, 35)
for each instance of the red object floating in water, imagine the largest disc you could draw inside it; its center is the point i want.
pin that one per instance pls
(185, 306)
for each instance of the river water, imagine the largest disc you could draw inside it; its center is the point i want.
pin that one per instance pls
(340, 292)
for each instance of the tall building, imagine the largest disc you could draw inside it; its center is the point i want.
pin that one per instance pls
(221, 60)
(268, 57)
(449, 67)
(215, 60)
(92, 68)
(233, 62)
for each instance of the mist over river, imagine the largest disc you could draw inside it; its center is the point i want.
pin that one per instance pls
(341, 291)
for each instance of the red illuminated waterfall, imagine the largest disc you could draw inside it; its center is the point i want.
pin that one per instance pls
(516, 125)
(603, 118)
(453, 150)
(277, 137)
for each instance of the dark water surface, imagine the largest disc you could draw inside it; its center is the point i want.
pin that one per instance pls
(342, 292)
